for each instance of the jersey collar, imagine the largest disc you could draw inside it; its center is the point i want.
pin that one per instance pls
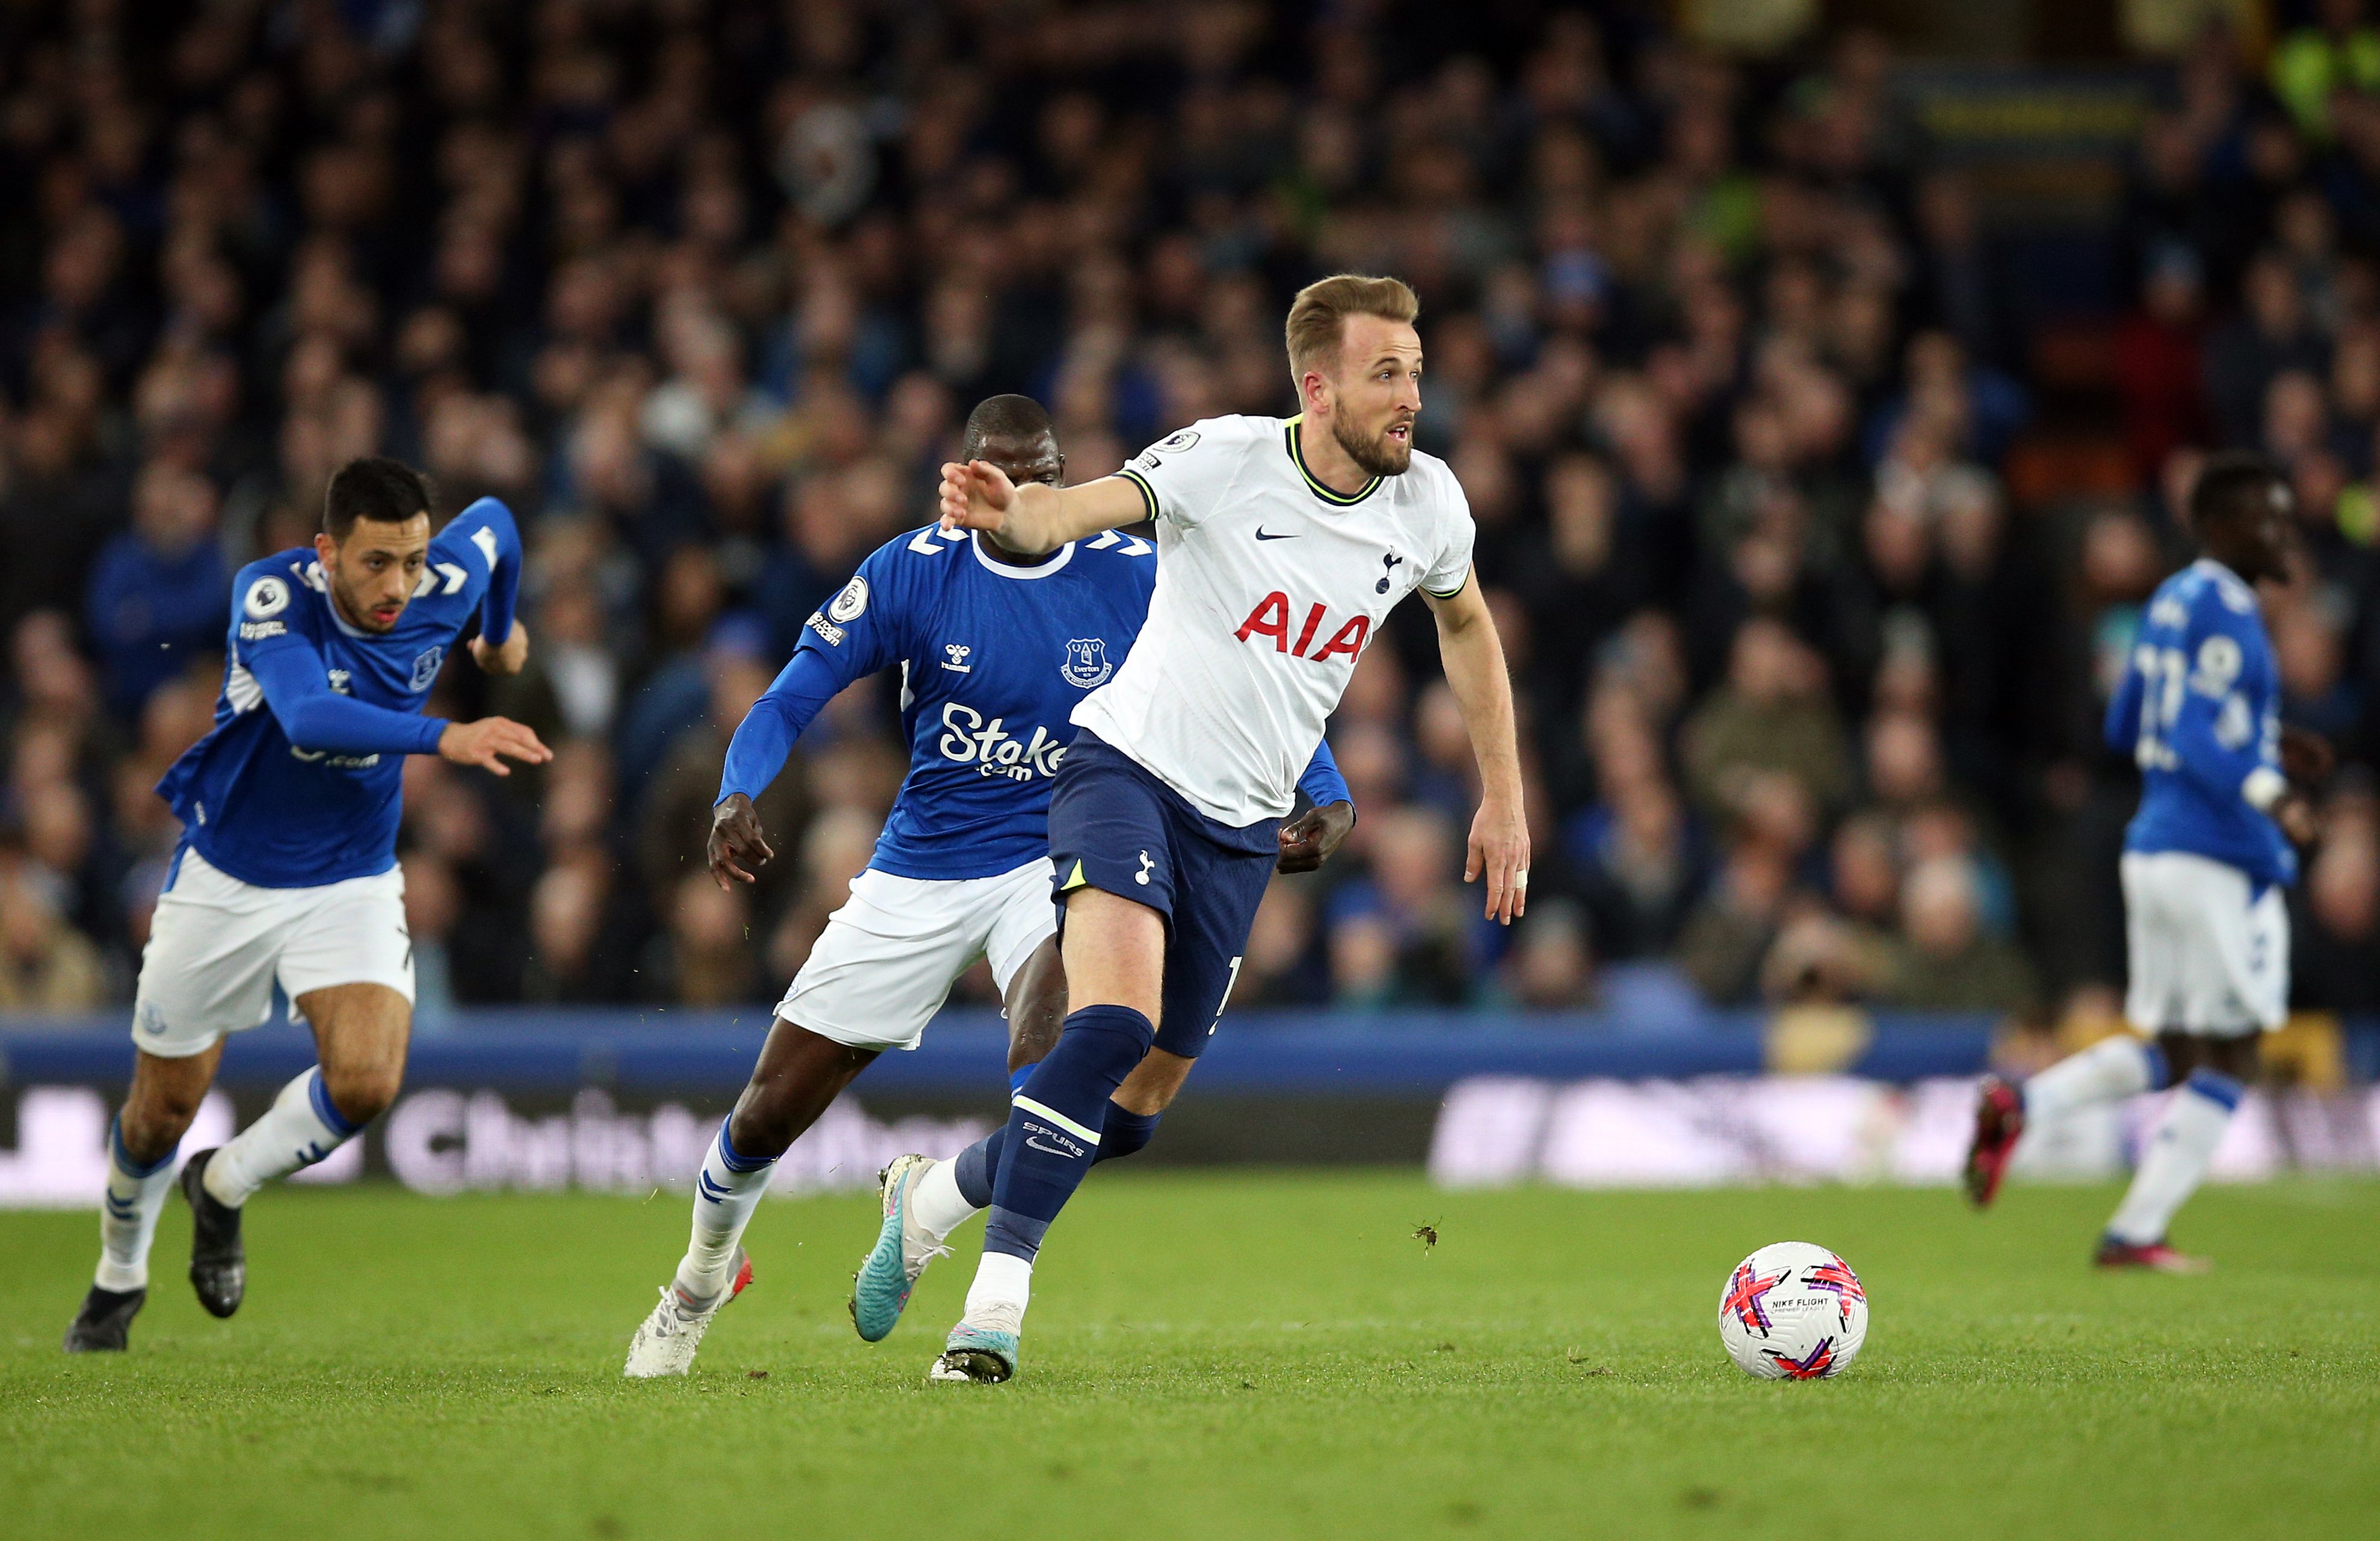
(1315, 484)
(1041, 569)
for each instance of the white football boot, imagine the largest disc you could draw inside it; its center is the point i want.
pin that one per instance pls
(665, 1343)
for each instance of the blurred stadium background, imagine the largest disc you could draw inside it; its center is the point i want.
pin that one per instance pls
(1824, 376)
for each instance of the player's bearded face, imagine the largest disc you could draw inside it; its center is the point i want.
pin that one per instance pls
(372, 573)
(1377, 394)
(1381, 446)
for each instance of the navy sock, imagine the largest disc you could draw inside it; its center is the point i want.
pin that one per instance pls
(1053, 1126)
(977, 1166)
(1124, 1133)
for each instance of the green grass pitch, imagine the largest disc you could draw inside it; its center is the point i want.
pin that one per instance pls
(1241, 1356)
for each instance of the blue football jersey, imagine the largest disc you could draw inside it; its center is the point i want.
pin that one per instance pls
(993, 658)
(2200, 711)
(284, 814)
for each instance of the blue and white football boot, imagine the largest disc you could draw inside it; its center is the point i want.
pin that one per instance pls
(880, 1291)
(976, 1353)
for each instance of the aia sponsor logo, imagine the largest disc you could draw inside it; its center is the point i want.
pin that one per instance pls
(1272, 618)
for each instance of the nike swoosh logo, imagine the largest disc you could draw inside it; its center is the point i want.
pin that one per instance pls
(1262, 536)
(1053, 1149)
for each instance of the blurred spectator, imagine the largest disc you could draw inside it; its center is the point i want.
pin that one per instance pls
(2335, 965)
(44, 965)
(2158, 366)
(433, 905)
(1730, 932)
(160, 591)
(1403, 934)
(1638, 869)
(709, 962)
(1552, 967)
(1947, 963)
(1770, 715)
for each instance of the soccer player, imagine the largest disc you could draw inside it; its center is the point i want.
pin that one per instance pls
(1283, 545)
(996, 648)
(2223, 795)
(288, 865)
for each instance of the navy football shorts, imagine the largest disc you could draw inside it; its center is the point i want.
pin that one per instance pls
(1113, 826)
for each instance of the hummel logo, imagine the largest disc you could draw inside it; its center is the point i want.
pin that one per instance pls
(957, 661)
(1262, 536)
(711, 1189)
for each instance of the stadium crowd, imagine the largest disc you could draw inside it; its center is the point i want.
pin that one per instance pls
(702, 289)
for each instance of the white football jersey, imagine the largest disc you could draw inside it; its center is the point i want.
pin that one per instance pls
(1270, 586)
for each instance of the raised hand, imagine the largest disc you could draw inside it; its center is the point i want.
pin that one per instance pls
(976, 495)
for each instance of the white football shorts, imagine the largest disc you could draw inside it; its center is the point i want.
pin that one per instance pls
(2208, 954)
(216, 945)
(887, 960)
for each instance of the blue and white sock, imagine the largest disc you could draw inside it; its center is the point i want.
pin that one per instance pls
(300, 1129)
(127, 1216)
(954, 1192)
(2108, 1071)
(726, 1191)
(1048, 1147)
(2177, 1158)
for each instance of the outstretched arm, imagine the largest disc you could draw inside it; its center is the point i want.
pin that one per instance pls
(319, 720)
(1474, 660)
(1035, 518)
(756, 755)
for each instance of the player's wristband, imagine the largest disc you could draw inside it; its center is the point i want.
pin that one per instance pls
(2263, 787)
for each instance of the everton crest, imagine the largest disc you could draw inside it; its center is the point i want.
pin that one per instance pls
(1086, 666)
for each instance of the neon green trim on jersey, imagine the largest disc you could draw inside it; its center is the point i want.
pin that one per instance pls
(1314, 483)
(1074, 880)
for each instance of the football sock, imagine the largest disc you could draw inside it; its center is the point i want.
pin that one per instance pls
(2177, 1158)
(726, 1191)
(939, 1203)
(1002, 1287)
(1053, 1125)
(1125, 1132)
(2108, 1071)
(127, 1217)
(300, 1129)
(967, 1177)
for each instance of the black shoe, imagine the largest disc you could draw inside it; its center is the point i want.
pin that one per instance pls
(104, 1323)
(218, 1262)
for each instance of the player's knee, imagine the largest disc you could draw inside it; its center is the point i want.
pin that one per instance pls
(361, 1093)
(1153, 1083)
(150, 1127)
(763, 1124)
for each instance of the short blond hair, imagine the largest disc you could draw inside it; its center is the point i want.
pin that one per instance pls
(1318, 319)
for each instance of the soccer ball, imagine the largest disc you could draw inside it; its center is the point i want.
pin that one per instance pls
(1792, 1312)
